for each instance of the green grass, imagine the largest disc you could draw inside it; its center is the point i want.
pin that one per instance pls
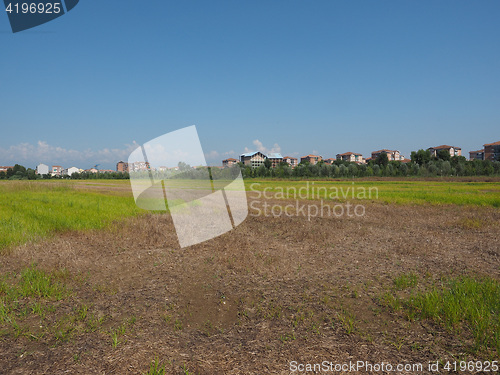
(460, 305)
(398, 192)
(33, 210)
(155, 368)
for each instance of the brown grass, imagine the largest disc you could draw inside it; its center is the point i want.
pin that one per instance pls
(271, 291)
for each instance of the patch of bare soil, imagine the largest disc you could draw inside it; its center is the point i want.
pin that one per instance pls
(272, 291)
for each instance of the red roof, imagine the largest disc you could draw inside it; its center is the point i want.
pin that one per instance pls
(445, 147)
(493, 144)
(310, 156)
(349, 153)
(230, 159)
(384, 150)
(289, 157)
(471, 152)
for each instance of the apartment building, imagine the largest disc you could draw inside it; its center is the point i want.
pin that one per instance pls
(329, 161)
(492, 151)
(275, 159)
(139, 166)
(352, 157)
(453, 150)
(253, 159)
(121, 166)
(56, 170)
(291, 161)
(70, 171)
(312, 159)
(229, 162)
(392, 155)
(42, 169)
(476, 155)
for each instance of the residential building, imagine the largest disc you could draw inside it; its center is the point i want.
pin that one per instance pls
(352, 157)
(229, 162)
(329, 161)
(70, 171)
(122, 166)
(42, 169)
(312, 159)
(453, 150)
(253, 159)
(56, 170)
(492, 151)
(476, 155)
(392, 155)
(139, 166)
(292, 162)
(4, 169)
(275, 159)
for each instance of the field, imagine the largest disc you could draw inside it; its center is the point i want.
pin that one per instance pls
(90, 284)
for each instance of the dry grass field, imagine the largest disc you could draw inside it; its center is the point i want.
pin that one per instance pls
(113, 300)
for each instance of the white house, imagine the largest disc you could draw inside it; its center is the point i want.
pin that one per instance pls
(70, 171)
(42, 169)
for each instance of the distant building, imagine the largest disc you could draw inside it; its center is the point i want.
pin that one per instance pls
(291, 161)
(4, 169)
(121, 166)
(229, 162)
(329, 161)
(476, 155)
(70, 171)
(312, 159)
(453, 150)
(392, 155)
(139, 166)
(253, 159)
(56, 170)
(492, 151)
(275, 159)
(352, 157)
(42, 169)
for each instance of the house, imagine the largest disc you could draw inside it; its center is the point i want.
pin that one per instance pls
(476, 155)
(4, 169)
(392, 155)
(453, 150)
(291, 161)
(56, 170)
(311, 159)
(42, 169)
(275, 159)
(121, 166)
(253, 159)
(329, 161)
(492, 151)
(70, 171)
(352, 157)
(229, 162)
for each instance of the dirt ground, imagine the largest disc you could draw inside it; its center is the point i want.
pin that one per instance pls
(272, 291)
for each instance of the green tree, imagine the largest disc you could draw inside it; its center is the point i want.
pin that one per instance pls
(382, 159)
(443, 155)
(267, 163)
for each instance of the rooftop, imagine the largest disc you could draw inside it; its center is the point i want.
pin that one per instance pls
(493, 144)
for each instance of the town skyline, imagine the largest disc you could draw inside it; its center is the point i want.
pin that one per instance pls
(295, 77)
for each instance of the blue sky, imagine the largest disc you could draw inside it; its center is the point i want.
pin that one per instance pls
(297, 77)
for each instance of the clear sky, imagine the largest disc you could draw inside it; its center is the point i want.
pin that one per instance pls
(293, 76)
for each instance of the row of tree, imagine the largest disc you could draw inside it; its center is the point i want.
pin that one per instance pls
(422, 164)
(19, 172)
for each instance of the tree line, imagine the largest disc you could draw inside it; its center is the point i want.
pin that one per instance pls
(19, 172)
(422, 164)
